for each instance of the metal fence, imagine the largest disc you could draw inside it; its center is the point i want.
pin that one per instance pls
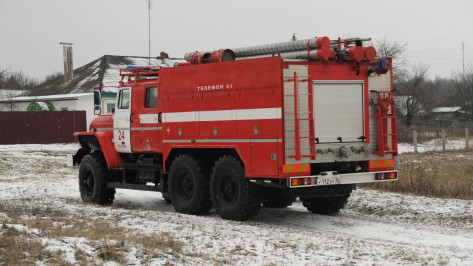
(444, 140)
(40, 127)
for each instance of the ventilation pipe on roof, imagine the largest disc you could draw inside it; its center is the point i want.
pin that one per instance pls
(67, 53)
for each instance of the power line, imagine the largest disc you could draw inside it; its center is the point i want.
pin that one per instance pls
(443, 38)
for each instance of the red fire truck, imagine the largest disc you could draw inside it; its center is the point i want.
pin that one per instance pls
(237, 129)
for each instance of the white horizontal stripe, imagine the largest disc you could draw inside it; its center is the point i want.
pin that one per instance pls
(237, 140)
(224, 115)
(133, 128)
(146, 128)
(180, 117)
(149, 118)
(263, 113)
(176, 140)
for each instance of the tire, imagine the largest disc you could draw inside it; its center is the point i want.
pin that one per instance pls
(326, 204)
(189, 186)
(166, 197)
(277, 198)
(233, 196)
(93, 175)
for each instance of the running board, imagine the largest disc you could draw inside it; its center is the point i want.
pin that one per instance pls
(132, 186)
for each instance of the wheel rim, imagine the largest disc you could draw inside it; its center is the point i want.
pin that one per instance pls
(229, 189)
(186, 186)
(89, 183)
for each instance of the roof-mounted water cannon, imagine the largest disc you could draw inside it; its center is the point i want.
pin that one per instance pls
(222, 55)
(380, 67)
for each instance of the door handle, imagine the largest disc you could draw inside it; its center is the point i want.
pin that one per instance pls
(131, 118)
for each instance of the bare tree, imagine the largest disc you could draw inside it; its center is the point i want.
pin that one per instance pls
(463, 84)
(416, 87)
(386, 48)
(11, 84)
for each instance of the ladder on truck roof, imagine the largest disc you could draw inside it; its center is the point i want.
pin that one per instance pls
(308, 116)
(135, 73)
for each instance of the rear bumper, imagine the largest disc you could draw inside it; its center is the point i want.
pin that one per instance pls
(333, 178)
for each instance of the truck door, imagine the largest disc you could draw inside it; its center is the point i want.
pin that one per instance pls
(121, 121)
(145, 120)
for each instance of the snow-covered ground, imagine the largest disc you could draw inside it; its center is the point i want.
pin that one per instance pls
(435, 145)
(375, 228)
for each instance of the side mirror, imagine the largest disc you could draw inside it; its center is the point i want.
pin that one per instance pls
(97, 102)
(97, 110)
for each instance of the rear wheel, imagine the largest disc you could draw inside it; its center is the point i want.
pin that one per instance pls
(189, 186)
(331, 200)
(166, 197)
(92, 180)
(233, 196)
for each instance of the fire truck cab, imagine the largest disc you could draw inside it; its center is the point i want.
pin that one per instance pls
(234, 135)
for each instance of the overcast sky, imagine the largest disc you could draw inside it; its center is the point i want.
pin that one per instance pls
(30, 30)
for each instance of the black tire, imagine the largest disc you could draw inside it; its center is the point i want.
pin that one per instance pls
(166, 197)
(326, 204)
(277, 198)
(233, 196)
(189, 186)
(93, 175)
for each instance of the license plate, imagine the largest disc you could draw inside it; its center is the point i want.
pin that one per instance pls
(328, 181)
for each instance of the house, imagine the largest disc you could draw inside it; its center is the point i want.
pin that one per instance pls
(77, 94)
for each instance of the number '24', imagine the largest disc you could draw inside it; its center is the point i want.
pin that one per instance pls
(121, 134)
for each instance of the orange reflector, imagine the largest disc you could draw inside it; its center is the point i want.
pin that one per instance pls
(381, 165)
(296, 168)
(391, 175)
(297, 182)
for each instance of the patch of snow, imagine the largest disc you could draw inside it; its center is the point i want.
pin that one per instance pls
(434, 145)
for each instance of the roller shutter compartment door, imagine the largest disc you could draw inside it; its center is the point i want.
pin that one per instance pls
(338, 112)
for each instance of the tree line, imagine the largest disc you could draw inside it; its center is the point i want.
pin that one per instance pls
(419, 94)
(15, 80)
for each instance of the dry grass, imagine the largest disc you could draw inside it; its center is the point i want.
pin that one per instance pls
(434, 174)
(110, 241)
(21, 248)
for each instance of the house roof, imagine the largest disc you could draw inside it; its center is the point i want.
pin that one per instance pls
(104, 71)
(7, 94)
(446, 109)
(45, 98)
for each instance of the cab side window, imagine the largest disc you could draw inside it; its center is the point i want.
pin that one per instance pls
(124, 99)
(151, 99)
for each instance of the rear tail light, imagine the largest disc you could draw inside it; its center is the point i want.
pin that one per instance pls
(383, 176)
(379, 176)
(391, 175)
(301, 181)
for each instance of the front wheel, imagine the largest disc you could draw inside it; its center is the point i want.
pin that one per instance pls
(92, 181)
(233, 196)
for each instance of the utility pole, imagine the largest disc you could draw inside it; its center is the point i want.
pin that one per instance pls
(149, 32)
(463, 51)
